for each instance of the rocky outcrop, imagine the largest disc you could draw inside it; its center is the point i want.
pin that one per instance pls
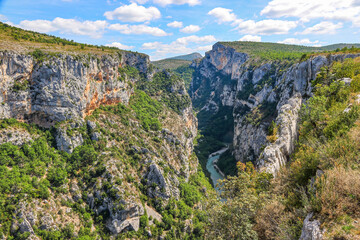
(122, 220)
(311, 229)
(16, 136)
(62, 87)
(276, 154)
(159, 186)
(66, 142)
(258, 93)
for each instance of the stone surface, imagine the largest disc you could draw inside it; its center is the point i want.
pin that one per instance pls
(159, 186)
(224, 78)
(16, 136)
(63, 87)
(311, 229)
(67, 143)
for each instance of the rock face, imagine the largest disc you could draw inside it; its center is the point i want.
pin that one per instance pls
(66, 142)
(63, 87)
(60, 91)
(16, 136)
(258, 95)
(311, 229)
(159, 186)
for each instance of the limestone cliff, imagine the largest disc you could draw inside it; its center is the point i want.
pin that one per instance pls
(258, 93)
(62, 87)
(93, 102)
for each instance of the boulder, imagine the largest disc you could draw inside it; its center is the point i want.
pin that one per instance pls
(311, 229)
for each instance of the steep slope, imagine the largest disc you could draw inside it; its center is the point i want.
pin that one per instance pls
(315, 195)
(94, 145)
(262, 95)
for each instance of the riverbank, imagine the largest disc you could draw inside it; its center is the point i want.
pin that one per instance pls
(215, 173)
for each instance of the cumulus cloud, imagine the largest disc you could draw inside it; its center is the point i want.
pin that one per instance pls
(133, 13)
(120, 46)
(180, 46)
(250, 38)
(195, 39)
(251, 27)
(204, 48)
(223, 14)
(346, 10)
(94, 29)
(296, 41)
(190, 29)
(322, 28)
(175, 24)
(265, 27)
(138, 29)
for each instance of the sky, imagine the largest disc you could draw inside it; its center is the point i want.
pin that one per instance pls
(166, 28)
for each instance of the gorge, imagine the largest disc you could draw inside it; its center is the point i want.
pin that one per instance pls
(98, 143)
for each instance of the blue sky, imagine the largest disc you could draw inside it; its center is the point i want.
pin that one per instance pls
(164, 28)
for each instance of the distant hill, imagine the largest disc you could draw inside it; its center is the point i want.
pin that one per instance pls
(171, 63)
(277, 51)
(175, 62)
(20, 40)
(340, 46)
(188, 57)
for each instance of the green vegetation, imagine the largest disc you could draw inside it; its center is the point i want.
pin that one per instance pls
(227, 163)
(215, 130)
(271, 51)
(265, 51)
(171, 64)
(176, 62)
(20, 86)
(186, 73)
(147, 111)
(188, 57)
(13, 38)
(169, 89)
(321, 177)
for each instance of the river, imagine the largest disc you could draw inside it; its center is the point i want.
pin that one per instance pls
(214, 173)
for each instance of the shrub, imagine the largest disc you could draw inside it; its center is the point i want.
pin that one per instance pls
(272, 132)
(338, 193)
(57, 176)
(355, 84)
(189, 193)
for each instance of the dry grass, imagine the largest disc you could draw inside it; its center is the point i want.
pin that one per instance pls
(338, 193)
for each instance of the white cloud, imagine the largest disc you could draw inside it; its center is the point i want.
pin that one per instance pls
(120, 46)
(3, 18)
(196, 39)
(265, 27)
(180, 46)
(204, 48)
(250, 38)
(177, 2)
(345, 10)
(133, 13)
(175, 24)
(138, 29)
(190, 29)
(356, 3)
(251, 27)
(223, 14)
(94, 29)
(296, 41)
(322, 28)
